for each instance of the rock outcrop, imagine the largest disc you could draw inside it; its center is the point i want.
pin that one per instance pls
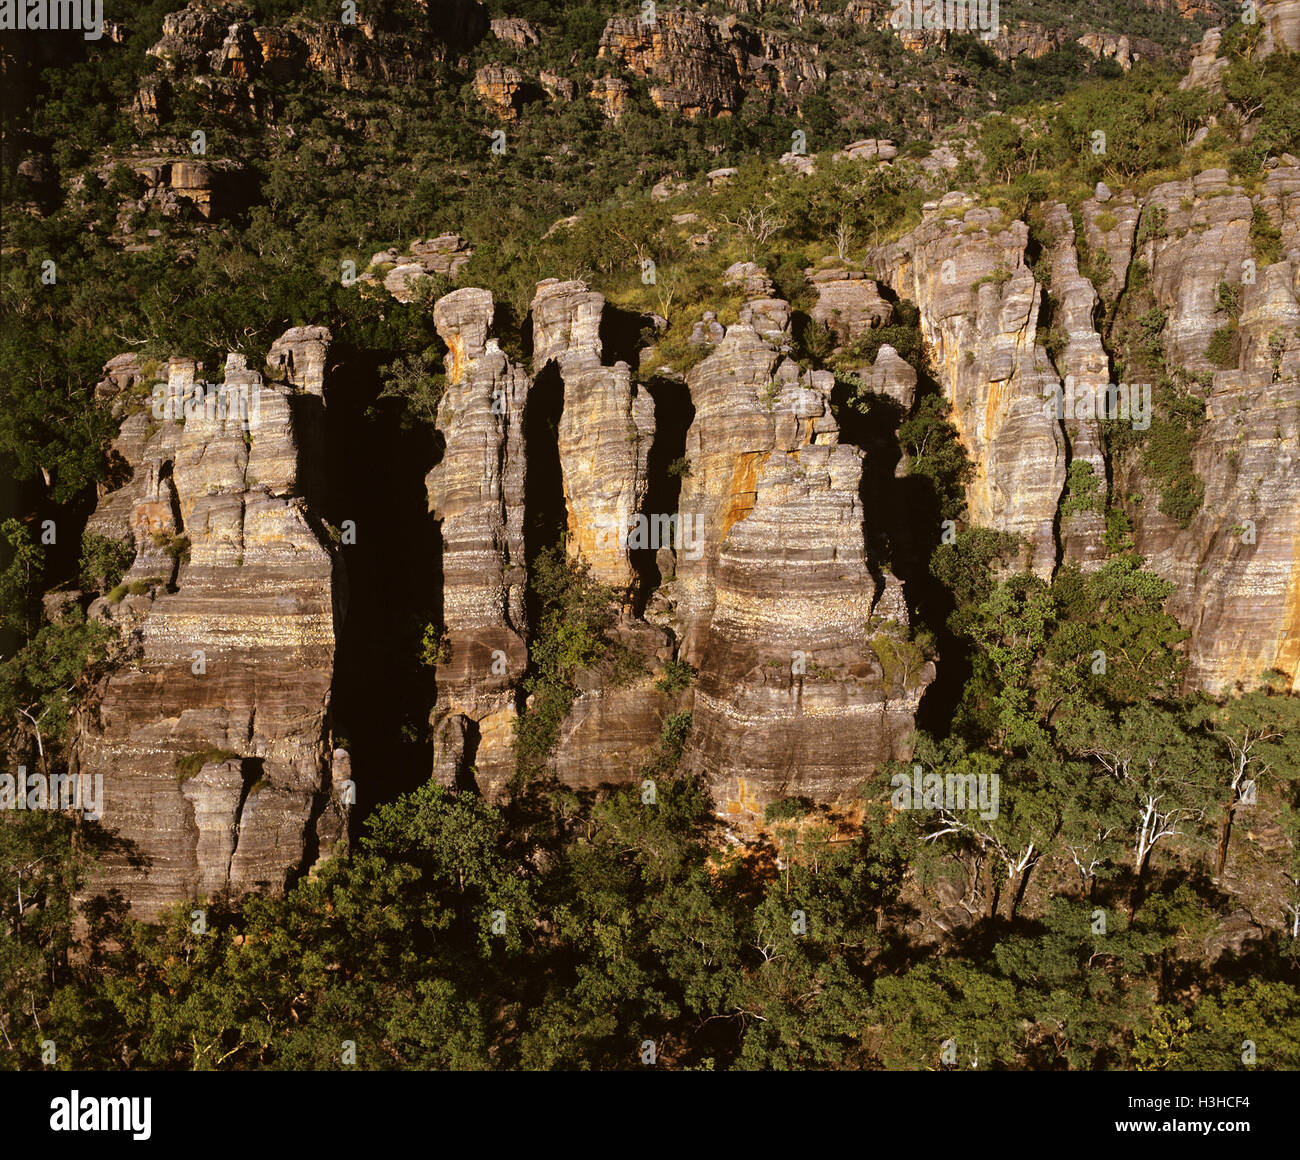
(501, 88)
(1236, 567)
(443, 255)
(605, 430)
(216, 52)
(1279, 22)
(476, 492)
(799, 692)
(848, 302)
(965, 269)
(213, 741)
(698, 64)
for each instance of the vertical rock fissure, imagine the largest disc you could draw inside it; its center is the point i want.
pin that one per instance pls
(251, 772)
(674, 413)
(382, 693)
(166, 479)
(545, 510)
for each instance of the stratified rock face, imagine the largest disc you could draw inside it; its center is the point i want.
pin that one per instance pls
(1205, 240)
(891, 375)
(965, 269)
(605, 431)
(234, 648)
(1237, 566)
(701, 64)
(477, 492)
(1237, 583)
(979, 310)
(1281, 21)
(773, 592)
(1119, 213)
(609, 731)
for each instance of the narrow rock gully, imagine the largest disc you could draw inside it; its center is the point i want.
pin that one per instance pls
(375, 477)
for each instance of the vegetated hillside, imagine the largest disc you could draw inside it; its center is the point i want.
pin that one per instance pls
(630, 459)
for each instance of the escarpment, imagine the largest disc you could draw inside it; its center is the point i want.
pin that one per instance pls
(743, 493)
(1188, 266)
(699, 64)
(1231, 320)
(758, 561)
(213, 740)
(215, 54)
(965, 268)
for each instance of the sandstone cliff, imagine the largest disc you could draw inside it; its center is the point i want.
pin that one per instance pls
(800, 691)
(214, 741)
(476, 492)
(964, 266)
(1236, 566)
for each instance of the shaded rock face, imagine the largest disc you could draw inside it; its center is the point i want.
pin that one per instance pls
(979, 305)
(477, 493)
(216, 188)
(232, 648)
(699, 64)
(773, 598)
